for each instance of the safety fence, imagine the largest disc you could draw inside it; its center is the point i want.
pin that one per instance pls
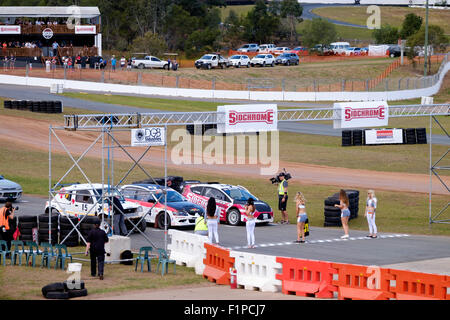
(303, 277)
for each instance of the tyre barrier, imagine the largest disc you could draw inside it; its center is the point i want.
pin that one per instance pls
(308, 278)
(188, 249)
(64, 291)
(332, 215)
(34, 106)
(26, 224)
(410, 136)
(67, 234)
(190, 128)
(217, 264)
(257, 271)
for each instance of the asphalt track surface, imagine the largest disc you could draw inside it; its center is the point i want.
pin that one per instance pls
(38, 93)
(308, 14)
(322, 244)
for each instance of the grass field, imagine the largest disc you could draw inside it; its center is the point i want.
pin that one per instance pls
(393, 16)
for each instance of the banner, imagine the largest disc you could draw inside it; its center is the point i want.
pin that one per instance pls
(10, 30)
(360, 114)
(384, 136)
(86, 29)
(153, 136)
(247, 118)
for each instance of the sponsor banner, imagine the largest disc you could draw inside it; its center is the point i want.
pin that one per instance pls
(247, 118)
(384, 136)
(361, 114)
(85, 30)
(10, 30)
(153, 136)
(47, 33)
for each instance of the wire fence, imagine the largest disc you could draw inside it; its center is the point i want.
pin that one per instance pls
(383, 82)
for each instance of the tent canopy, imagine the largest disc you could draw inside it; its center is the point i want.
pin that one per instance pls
(52, 12)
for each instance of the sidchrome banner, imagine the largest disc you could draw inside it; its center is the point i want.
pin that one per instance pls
(10, 29)
(247, 118)
(86, 29)
(361, 114)
(384, 136)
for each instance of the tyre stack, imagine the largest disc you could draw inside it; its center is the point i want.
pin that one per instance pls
(43, 228)
(65, 228)
(64, 290)
(86, 225)
(7, 104)
(421, 135)
(357, 137)
(333, 214)
(409, 136)
(346, 138)
(26, 225)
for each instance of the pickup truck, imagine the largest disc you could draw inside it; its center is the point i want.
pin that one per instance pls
(149, 62)
(212, 60)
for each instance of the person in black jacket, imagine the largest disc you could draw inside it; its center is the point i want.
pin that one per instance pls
(119, 227)
(96, 246)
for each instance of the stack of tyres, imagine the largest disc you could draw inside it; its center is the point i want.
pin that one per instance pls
(7, 104)
(45, 225)
(86, 225)
(357, 136)
(67, 234)
(36, 106)
(26, 225)
(353, 198)
(57, 107)
(64, 290)
(421, 135)
(409, 136)
(29, 104)
(332, 213)
(22, 104)
(15, 104)
(49, 107)
(346, 138)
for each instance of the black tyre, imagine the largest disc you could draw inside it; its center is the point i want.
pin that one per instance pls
(234, 217)
(66, 227)
(329, 214)
(27, 225)
(53, 287)
(68, 285)
(71, 243)
(162, 220)
(86, 227)
(127, 254)
(7, 104)
(88, 220)
(66, 220)
(26, 237)
(329, 224)
(57, 295)
(25, 230)
(45, 230)
(77, 293)
(58, 107)
(331, 201)
(27, 219)
(43, 218)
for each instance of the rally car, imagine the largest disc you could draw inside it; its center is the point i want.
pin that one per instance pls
(231, 201)
(79, 200)
(151, 197)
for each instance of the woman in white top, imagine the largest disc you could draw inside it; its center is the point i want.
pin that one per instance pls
(300, 203)
(371, 206)
(212, 218)
(250, 224)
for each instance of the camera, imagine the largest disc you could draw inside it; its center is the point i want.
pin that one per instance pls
(277, 179)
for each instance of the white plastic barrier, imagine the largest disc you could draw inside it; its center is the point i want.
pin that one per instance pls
(188, 248)
(115, 246)
(257, 271)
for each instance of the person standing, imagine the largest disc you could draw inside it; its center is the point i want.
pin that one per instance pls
(96, 240)
(123, 62)
(119, 221)
(113, 63)
(371, 206)
(6, 217)
(55, 46)
(282, 198)
(47, 65)
(300, 204)
(251, 222)
(212, 220)
(345, 211)
(201, 226)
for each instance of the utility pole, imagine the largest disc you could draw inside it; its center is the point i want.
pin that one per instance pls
(425, 56)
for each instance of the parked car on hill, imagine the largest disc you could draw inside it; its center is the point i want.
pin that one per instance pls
(287, 58)
(263, 60)
(9, 190)
(212, 60)
(250, 47)
(266, 48)
(240, 61)
(299, 50)
(353, 51)
(339, 47)
(231, 201)
(149, 62)
(322, 50)
(280, 50)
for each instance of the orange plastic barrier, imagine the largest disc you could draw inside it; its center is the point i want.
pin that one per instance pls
(307, 277)
(217, 264)
(357, 282)
(420, 286)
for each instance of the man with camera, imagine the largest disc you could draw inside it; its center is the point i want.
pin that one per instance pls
(6, 215)
(283, 197)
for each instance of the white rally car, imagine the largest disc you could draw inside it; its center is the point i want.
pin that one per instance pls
(231, 201)
(79, 200)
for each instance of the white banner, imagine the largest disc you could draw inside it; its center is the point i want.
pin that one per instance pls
(384, 136)
(86, 29)
(361, 114)
(10, 30)
(153, 136)
(248, 118)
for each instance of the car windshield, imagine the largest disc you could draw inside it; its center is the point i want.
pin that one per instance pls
(239, 194)
(172, 196)
(260, 56)
(113, 192)
(1, 178)
(279, 48)
(206, 57)
(245, 46)
(285, 55)
(235, 57)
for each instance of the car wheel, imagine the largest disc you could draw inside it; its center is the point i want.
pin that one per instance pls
(222, 66)
(140, 66)
(273, 64)
(392, 55)
(161, 221)
(248, 65)
(264, 64)
(198, 67)
(252, 64)
(105, 223)
(208, 67)
(238, 65)
(233, 217)
(166, 67)
(288, 63)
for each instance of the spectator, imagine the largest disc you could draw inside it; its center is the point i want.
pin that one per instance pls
(168, 64)
(129, 64)
(282, 198)
(47, 65)
(5, 62)
(201, 226)
(70, 64)
(123, 62)
(55, 46)
(212, 215)
(96, 240)
(84, 61)
(12, 62)
(174, 65)
(6, 217)
(118, 216)
(54, 63)
(113, 63)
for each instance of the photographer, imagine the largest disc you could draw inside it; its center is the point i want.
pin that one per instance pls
(282, 198)
(6, 214)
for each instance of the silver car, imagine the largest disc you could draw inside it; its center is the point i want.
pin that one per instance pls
(9, 190)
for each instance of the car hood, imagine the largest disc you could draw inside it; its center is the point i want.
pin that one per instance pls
(260, 206)
(5, 183)
(186, 205)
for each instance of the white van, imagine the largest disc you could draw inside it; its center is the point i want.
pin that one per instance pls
(339, 47)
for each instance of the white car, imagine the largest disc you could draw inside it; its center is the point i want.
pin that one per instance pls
(263, 60)
(279, 50)
(266, 48)
(250, 47)
(353, 51)
(239, 60)
(149, 62)
(9, 190)
(79, 200)
(339, 47)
